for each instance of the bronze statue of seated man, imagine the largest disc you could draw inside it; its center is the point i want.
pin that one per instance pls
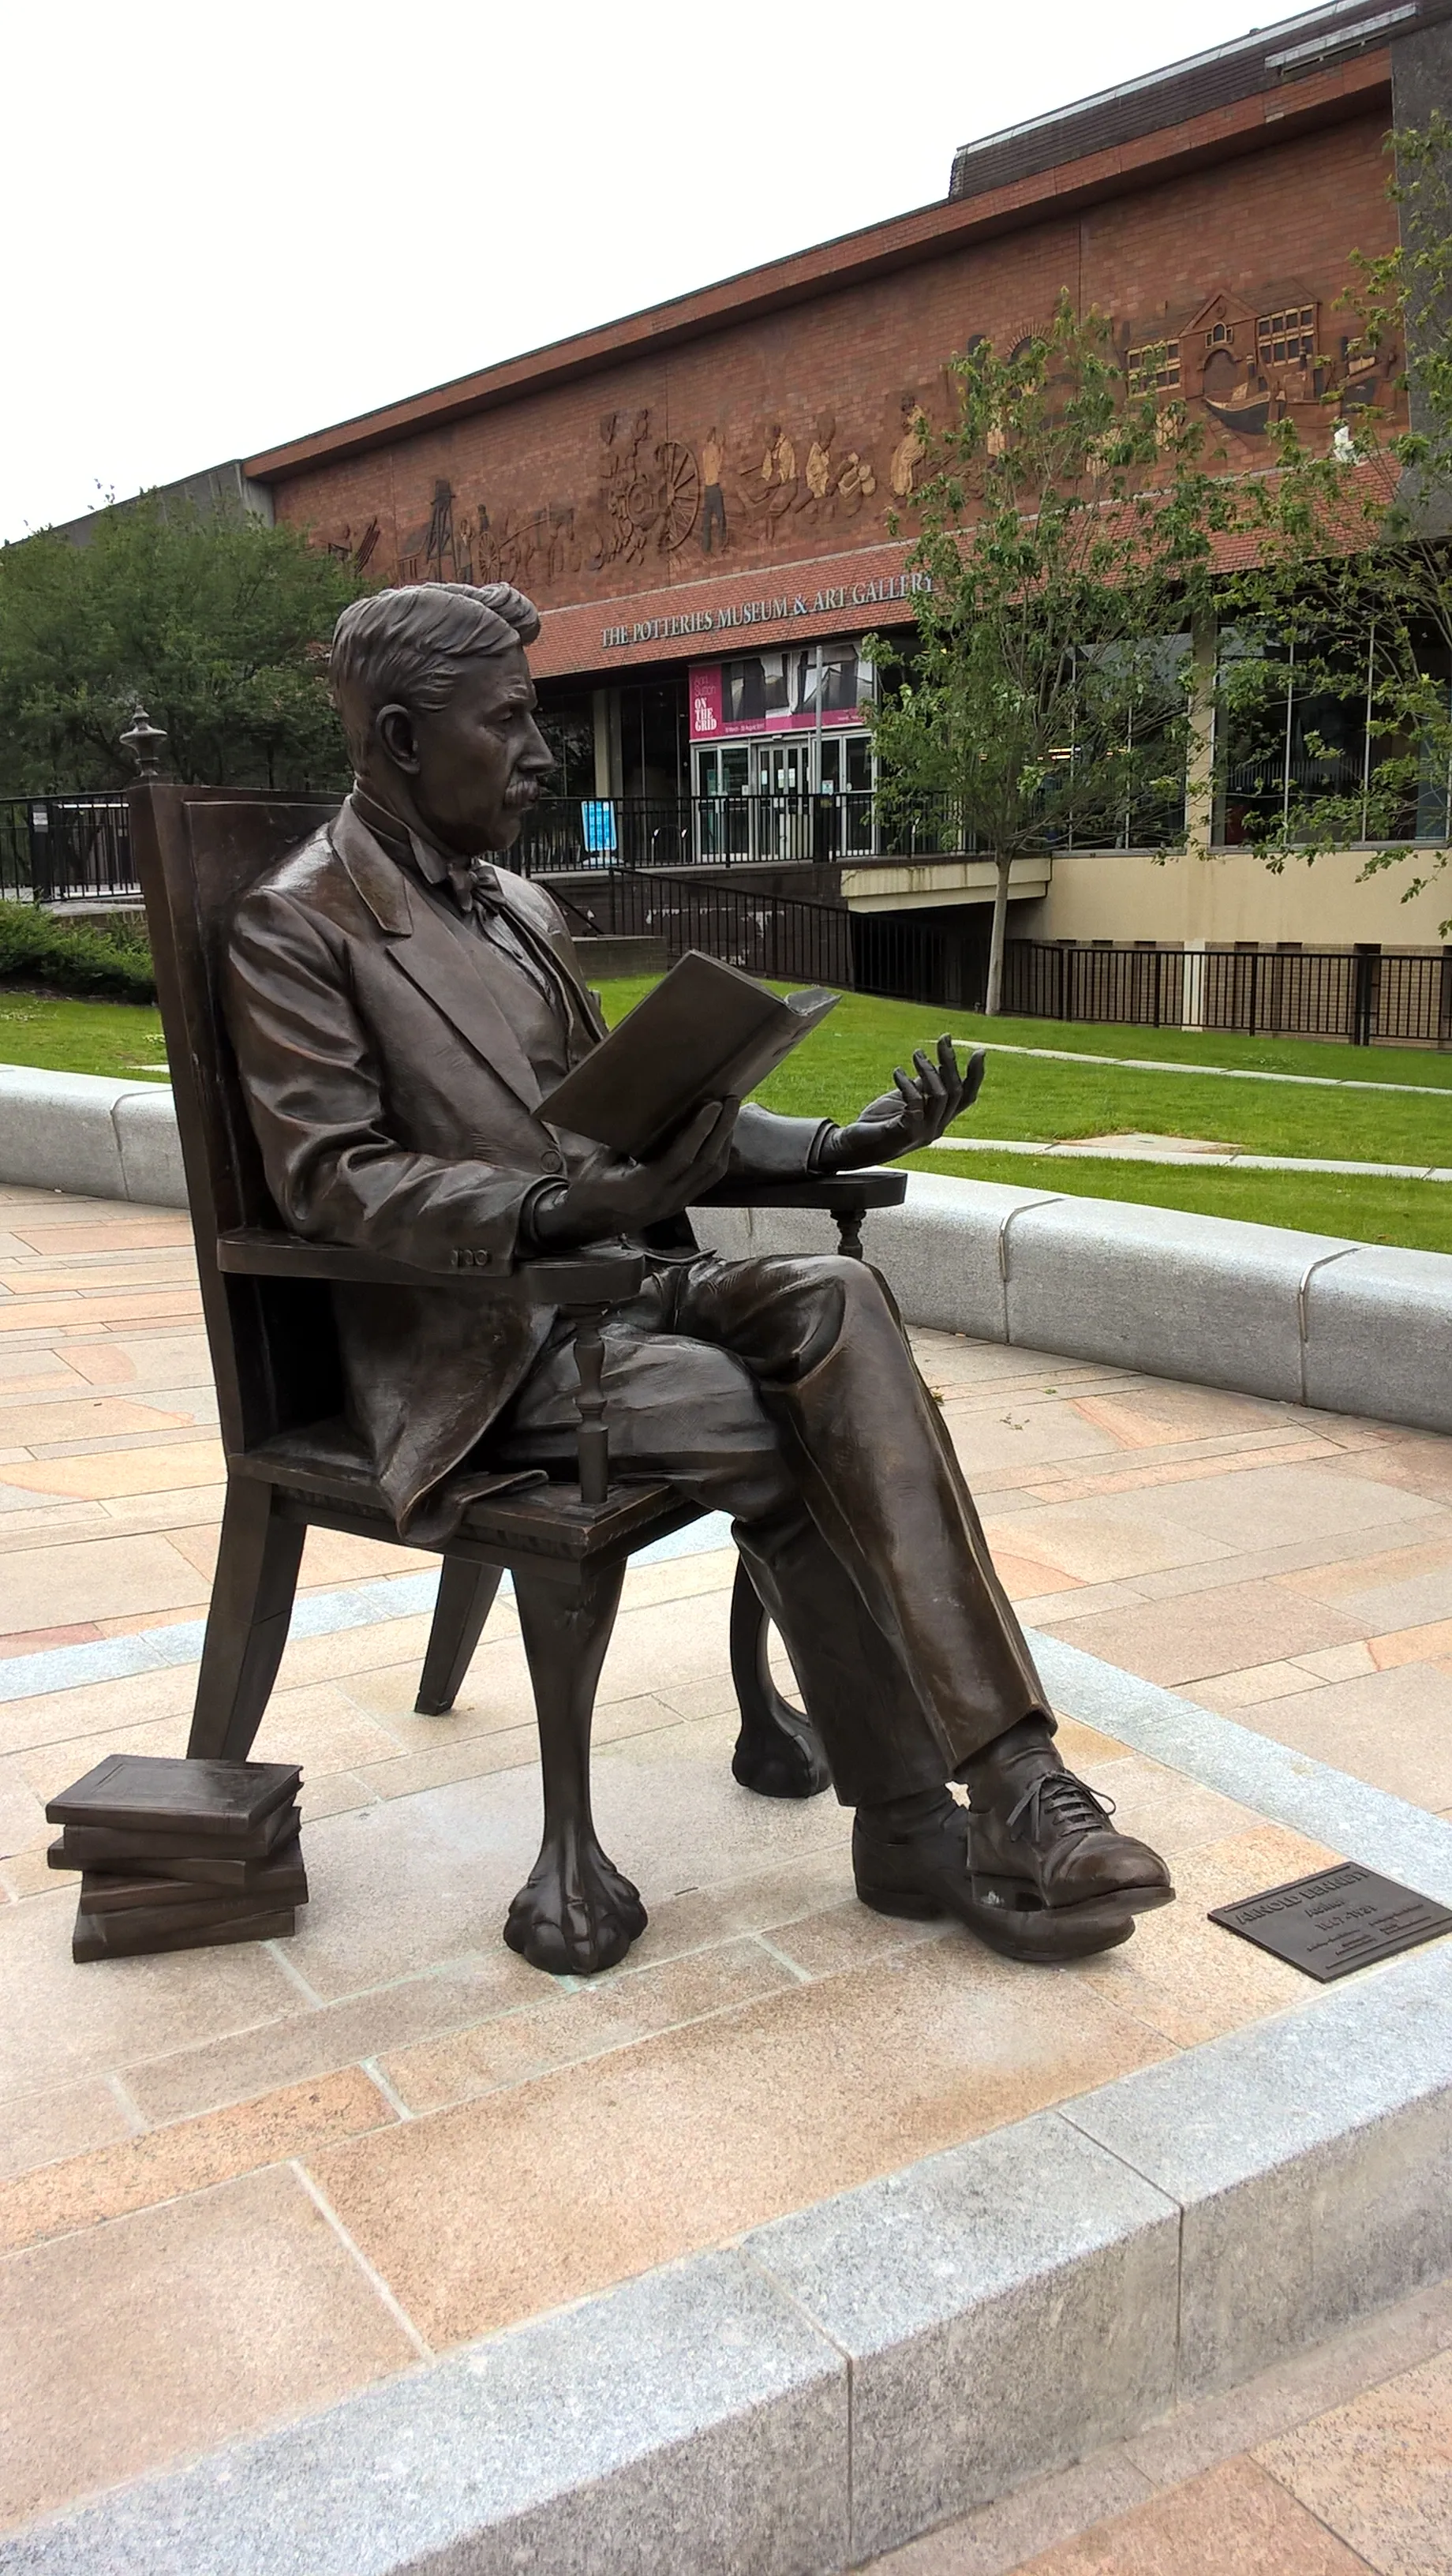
(400, 1009)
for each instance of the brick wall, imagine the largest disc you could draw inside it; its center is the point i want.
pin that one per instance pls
(593, 496)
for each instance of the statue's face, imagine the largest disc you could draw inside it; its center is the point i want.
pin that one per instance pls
(477, 764)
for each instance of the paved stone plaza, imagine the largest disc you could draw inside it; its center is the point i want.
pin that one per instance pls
(242, 2183)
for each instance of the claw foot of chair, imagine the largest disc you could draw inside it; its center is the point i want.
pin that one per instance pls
(781, 1756)
(576, 1914)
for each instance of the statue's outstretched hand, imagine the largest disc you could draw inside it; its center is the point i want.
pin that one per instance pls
(913, 1115)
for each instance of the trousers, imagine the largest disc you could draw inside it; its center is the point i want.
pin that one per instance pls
(783, 1391)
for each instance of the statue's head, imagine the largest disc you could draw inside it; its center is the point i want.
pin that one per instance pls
(437, 703)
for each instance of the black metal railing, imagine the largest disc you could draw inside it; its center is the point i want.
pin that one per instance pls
(1362, 995)
(58, 849)
(604, 832)
(785, 936)
(66, 849)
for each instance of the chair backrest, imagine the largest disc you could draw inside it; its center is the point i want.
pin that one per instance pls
(273, 1342)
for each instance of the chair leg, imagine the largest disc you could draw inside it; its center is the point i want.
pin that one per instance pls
(247, 1624)
(466, 1597)
(576, 1914)
(778, 1752)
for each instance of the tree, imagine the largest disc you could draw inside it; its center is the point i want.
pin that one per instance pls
(1342, 627)
(1067, 527)
(218, 625)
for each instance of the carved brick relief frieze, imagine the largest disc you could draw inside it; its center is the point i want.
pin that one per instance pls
(650, 505)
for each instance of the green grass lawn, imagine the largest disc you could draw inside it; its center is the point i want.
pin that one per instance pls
(80, 1037)
(843, 1063)
(849, 1059)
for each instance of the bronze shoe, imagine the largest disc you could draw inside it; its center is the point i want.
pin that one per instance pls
(1047, 1842)
(924, 1875)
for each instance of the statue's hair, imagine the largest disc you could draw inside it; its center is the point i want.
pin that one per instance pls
(411, 647)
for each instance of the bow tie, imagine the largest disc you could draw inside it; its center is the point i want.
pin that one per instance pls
(474, 885)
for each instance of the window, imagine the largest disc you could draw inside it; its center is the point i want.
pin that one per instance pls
(1296, 731)
(568, 726)
(1135, 799)
(1221, 335)
(1290, 736)
(1154, 368)
(1280, 337)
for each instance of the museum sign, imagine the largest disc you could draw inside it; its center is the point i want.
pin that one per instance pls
(768, 612)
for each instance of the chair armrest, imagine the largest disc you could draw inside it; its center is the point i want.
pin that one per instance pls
(838, 1193)
(579, 1279)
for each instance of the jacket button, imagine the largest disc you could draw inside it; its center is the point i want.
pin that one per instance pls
(553, 1162)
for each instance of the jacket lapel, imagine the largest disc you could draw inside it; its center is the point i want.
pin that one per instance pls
(431, 958)
(555, 951)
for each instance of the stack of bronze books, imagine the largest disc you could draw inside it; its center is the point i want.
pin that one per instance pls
(178, 1855)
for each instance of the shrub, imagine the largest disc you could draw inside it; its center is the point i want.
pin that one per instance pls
(111, 963)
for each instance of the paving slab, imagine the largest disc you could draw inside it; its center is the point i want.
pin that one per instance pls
(1209, 1576)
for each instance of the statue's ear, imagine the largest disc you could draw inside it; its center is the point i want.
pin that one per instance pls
(394, 727)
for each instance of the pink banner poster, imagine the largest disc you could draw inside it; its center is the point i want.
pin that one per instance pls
(777, 692)
(705, 701)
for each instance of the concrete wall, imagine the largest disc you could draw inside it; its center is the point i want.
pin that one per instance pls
(217, 492)
(1309, 1318)
(894, 886)
(1127, 894)
(95, 1138)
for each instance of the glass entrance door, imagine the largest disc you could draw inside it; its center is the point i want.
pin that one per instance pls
(847, 780)
(788, 797)
(723, 802)
(784, 770)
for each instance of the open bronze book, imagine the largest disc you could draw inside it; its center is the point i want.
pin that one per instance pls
(706, 1032)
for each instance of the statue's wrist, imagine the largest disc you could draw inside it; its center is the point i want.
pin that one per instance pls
(834, 1153)
(544, 1225)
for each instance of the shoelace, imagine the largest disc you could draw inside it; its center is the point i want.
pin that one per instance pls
(1068, 1803)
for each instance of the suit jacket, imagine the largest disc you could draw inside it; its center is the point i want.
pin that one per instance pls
(397, 1110)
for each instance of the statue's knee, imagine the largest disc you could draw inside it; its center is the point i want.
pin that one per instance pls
(862, 1291)
(840, 1295)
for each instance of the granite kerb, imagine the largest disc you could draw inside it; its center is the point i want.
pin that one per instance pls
(844, 2378)
(90, 1135)
(1264, 1310)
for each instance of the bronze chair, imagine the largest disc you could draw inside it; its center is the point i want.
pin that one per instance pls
(292, 1459)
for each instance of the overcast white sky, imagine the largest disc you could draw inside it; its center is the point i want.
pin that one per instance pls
(225, 227)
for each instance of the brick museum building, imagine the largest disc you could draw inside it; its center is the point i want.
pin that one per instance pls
(701, 497)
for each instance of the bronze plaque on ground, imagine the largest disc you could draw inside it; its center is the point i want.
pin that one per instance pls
(1336, 1920)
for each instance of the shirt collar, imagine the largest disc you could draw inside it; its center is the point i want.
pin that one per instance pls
(438, 867)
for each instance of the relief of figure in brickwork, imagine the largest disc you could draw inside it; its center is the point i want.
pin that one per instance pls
(652, 497)
(752, 492)
(819, 483)
(563, 546)
(911, 449)
(713, 500)
(772, 484)
(474, 539)
(353, 545)
(832, 484)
